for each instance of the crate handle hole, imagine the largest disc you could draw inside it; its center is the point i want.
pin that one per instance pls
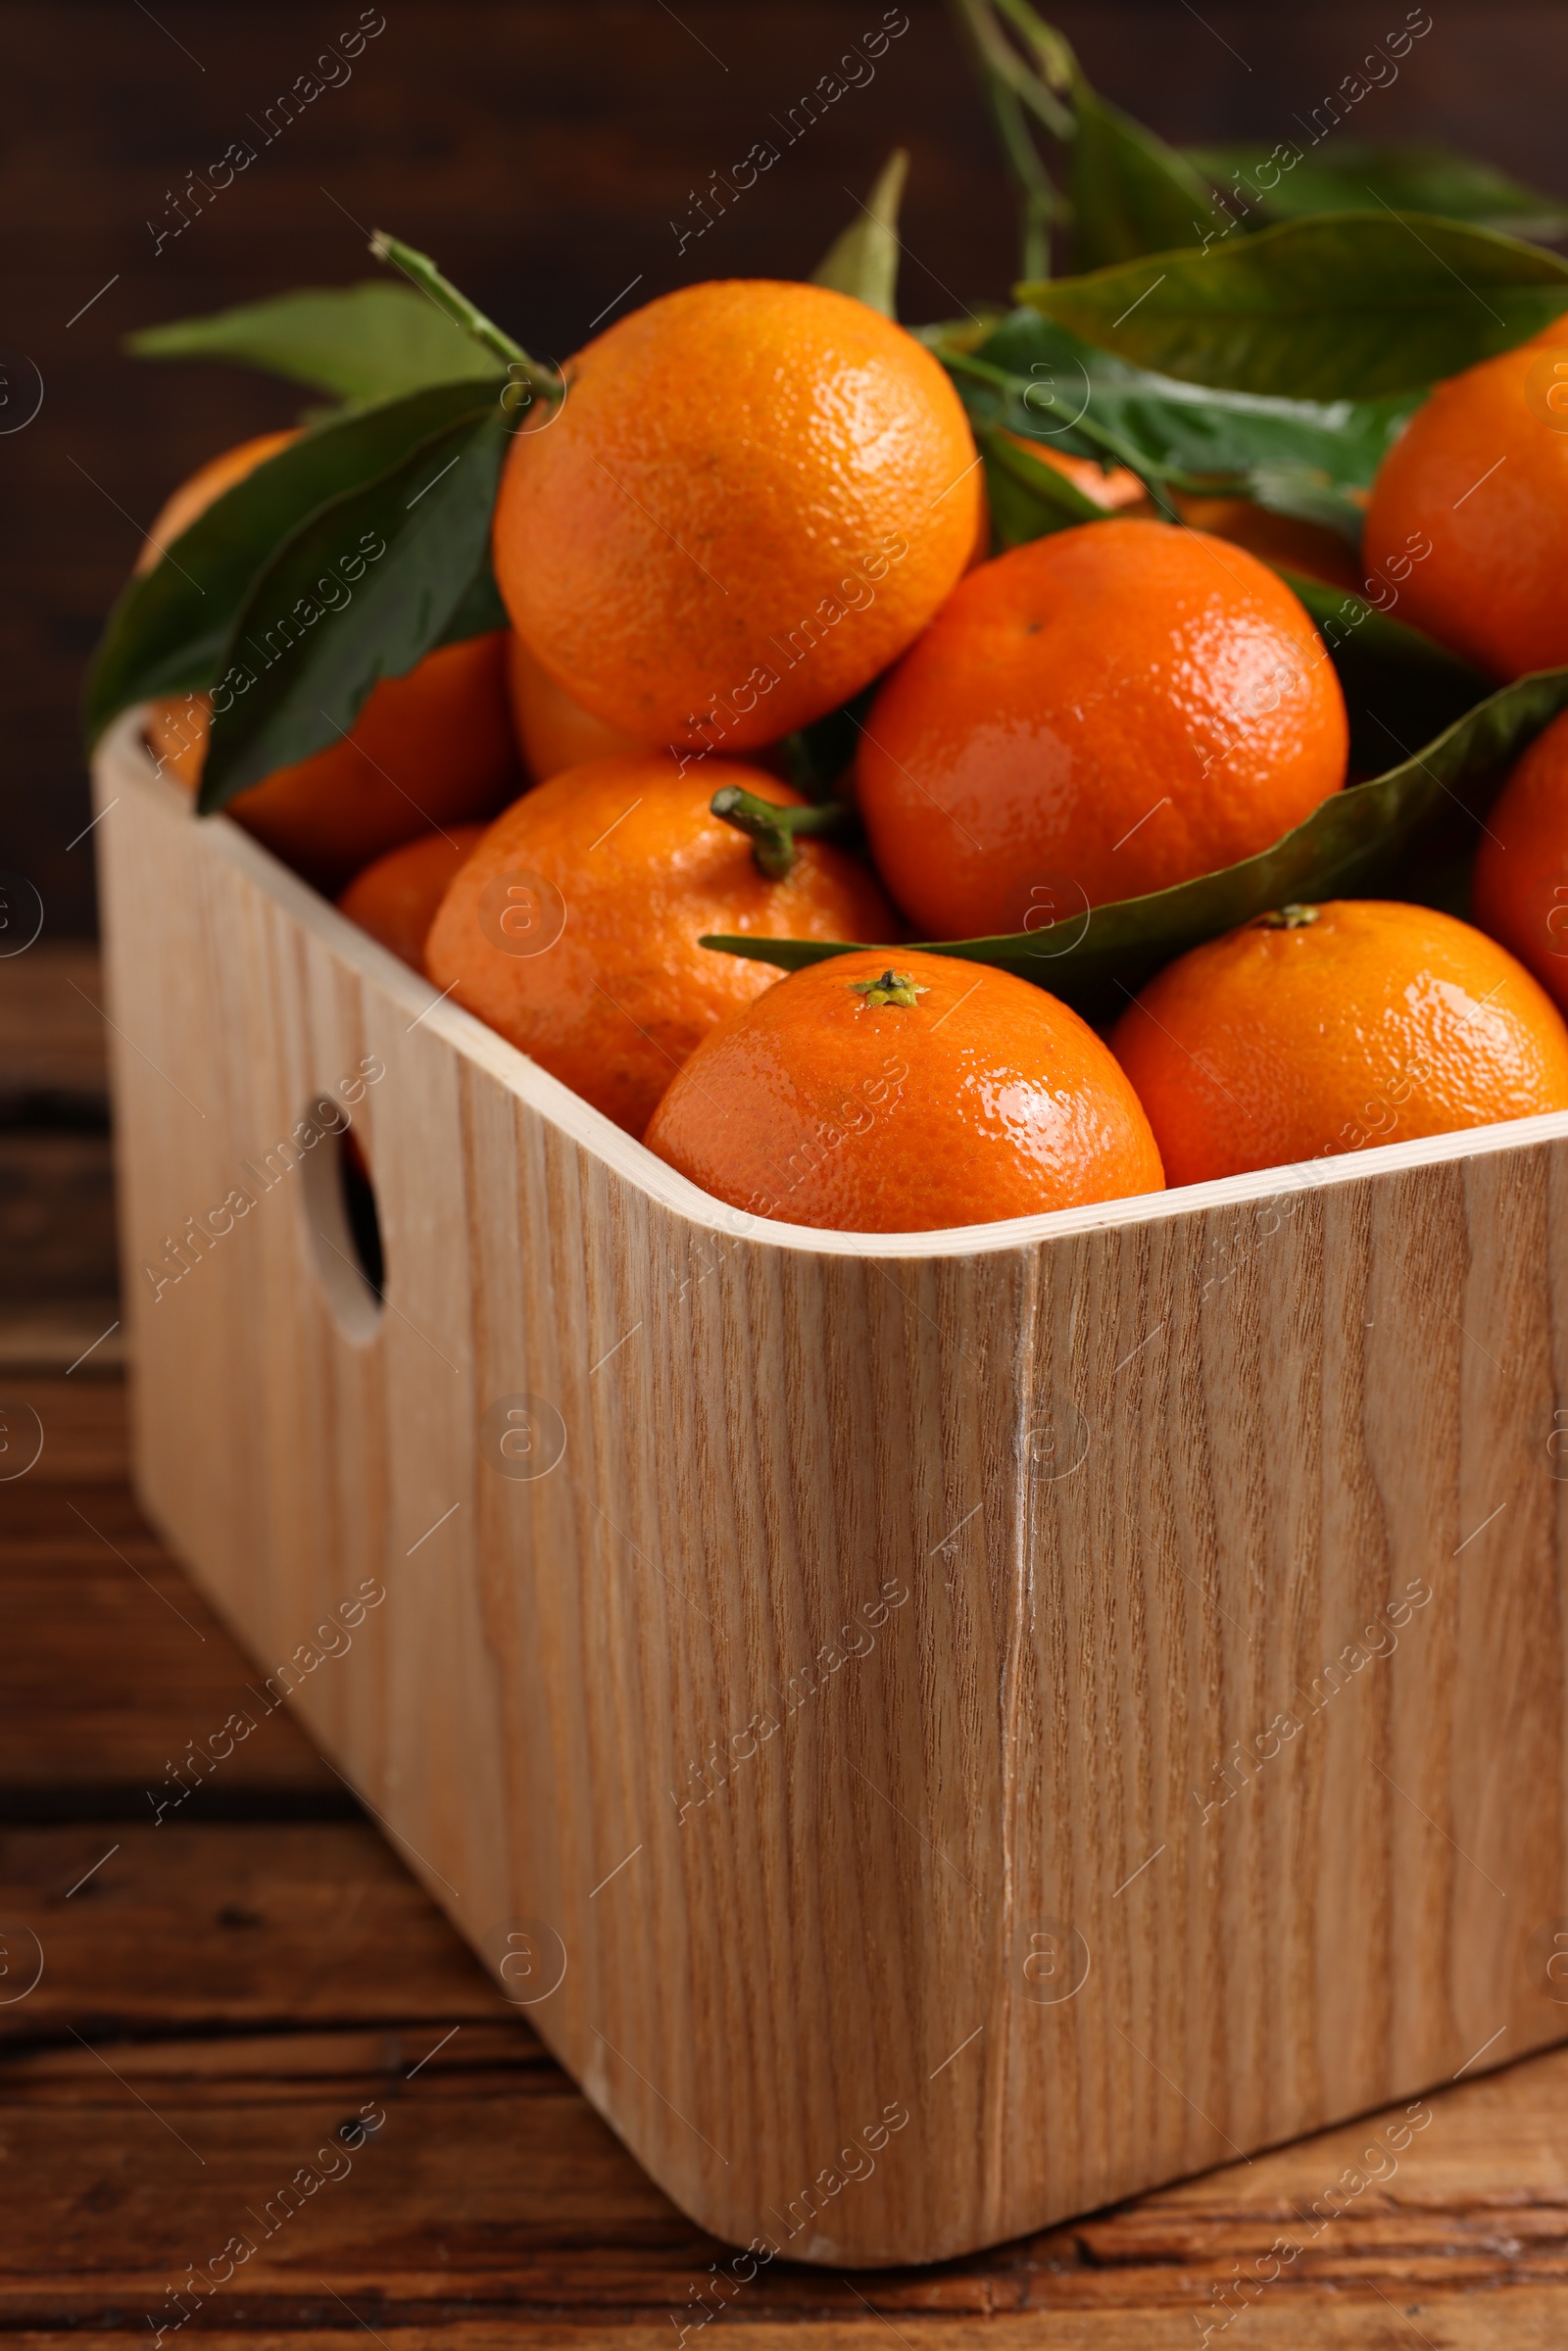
(345, 1227)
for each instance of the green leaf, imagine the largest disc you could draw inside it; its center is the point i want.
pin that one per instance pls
(480, 611)
(1400, 687)
(1347, 306)
(863, 259)
(1287, 181)
(1028, 498)
(358, 591)
(1308, 496)
(1362, 839)
(1131, 193)
(1032, 376)
(370, 341)
(166, 632)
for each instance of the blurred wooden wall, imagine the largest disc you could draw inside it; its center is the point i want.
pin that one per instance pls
(541, 151)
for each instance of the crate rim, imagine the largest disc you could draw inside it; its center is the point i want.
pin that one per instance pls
(122, 757)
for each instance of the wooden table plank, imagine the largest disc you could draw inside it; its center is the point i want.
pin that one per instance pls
(58, 1277)
(112, 1662)
(52, 1046)
(1528, 2322)
(486, 2179)
(192, 1928)
(220, 1997)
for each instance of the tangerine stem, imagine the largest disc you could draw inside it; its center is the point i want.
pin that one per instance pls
(771, 828)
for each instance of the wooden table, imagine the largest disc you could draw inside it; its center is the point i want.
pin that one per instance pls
(255, 1993)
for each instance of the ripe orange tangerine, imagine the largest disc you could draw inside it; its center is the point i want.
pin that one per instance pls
(1476, 488)
(1319, 1030)
(1113, 487)
(904, 1093)
(554, 731)
(574, 928)
(1097, 715)
(1299, 546)
(396, 899)
(1519, 889)
(753, 497)
(1310, 546)
(432, 748)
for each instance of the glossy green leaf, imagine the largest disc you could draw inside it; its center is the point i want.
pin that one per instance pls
(1307, 495)
(1131, 193)
(1348, 306)
(1028, 498)
(1292, 178)
(370, 341)
(1358, 841)
(358, 591)
(863, 259)
(168, 630)
(1032, 376)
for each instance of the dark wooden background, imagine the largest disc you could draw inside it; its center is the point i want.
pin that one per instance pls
(539, 151)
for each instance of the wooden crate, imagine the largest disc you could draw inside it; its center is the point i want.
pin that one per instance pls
(942, 1732)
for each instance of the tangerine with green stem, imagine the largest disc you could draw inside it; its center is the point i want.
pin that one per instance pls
(904, 1093)
(753, 498)
(619, 867)
(1323, 1029)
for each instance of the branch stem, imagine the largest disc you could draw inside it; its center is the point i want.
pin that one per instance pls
(420, 270)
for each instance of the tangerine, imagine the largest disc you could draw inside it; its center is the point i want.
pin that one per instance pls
(554, 731)
(1115, 488)
(1519, 889)
(753, 497)
(1470, 507)
(396, 899)
(904, 1094)
(1097, 715)
(574, 928)
(431, 748)
(1281, 539)
(1319, 1030)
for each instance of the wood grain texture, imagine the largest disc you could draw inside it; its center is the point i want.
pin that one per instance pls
(1200, 1778)
(255, 1982)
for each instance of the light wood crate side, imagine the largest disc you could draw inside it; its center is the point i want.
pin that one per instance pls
(1060, 1517)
